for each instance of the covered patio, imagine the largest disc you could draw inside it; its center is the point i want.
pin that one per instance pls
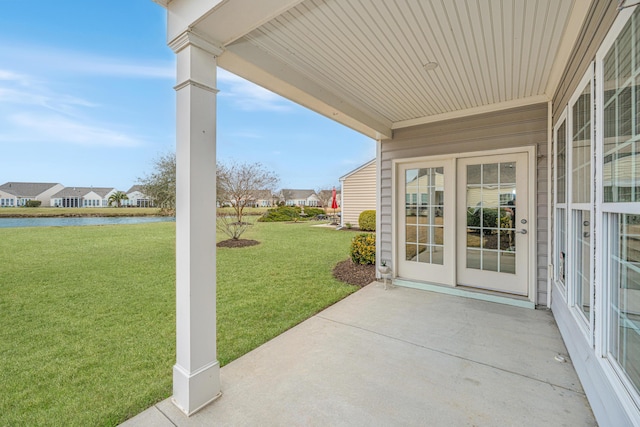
(400, 357)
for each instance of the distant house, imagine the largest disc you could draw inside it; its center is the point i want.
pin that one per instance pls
(263, 199)
(19, 193)
(81, 197)
(359, 190)
(292, 197)
(137, 198)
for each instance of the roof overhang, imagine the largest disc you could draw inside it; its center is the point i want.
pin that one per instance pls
(363, 64)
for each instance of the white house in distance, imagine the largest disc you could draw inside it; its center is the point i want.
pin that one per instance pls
(136, 198)
(292, 197)
(18, 193)
(81, 197)
(358, 192)
(534, 101)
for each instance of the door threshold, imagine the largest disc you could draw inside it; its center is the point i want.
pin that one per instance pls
(467, 292)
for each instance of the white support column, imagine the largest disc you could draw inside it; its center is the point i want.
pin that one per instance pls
(196, 374)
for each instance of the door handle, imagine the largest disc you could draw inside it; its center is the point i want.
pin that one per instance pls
(523, 231)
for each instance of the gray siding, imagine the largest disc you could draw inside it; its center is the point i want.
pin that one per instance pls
(599, 19)
(518, 127)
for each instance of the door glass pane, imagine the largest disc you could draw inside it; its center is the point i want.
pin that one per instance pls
(424, 214)
(490, 199)
(624, 276)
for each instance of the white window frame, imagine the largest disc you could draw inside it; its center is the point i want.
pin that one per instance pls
(562, 287)
(586, 325)
(626, 393)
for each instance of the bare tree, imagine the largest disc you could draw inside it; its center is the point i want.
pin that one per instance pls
(241, 183)
(325, 195)
(160, 184)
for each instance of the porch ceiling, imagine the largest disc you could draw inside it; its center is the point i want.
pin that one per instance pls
(362, 63)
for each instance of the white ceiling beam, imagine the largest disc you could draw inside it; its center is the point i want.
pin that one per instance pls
(256, 65)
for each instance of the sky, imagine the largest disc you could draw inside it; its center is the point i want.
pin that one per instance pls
(87, 99)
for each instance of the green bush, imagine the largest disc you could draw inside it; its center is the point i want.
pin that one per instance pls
(489, 217)
(282, 213)
(363, 249)
(367, 220)
(32, 204)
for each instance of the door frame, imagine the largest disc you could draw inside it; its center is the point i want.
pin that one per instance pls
(532, 159)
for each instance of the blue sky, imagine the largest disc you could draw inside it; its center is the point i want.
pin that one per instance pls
(86, 99)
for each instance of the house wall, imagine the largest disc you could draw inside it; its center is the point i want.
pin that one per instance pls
(45, 196)
(597, 24)
(518, 127)
(8, 200)
(591, 369)
(358, 193)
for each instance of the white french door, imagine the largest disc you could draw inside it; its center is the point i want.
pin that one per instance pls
(426, 222)
(493, 226)
(465, 222)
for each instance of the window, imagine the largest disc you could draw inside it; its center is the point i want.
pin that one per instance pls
(620, 192)
(560, 203)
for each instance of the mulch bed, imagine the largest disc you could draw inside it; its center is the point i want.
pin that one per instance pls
(355, 274)
(240, 243)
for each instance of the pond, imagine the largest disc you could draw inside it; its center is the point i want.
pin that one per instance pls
(77, 221)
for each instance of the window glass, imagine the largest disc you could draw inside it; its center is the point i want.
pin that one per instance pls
(621, 157)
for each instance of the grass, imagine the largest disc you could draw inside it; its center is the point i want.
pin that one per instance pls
(87, 313)
(60, 212)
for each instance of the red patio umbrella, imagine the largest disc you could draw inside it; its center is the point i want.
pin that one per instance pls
(334, 203)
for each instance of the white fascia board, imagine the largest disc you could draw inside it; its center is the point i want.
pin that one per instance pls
(235, 19)
(358, 169)
(257, 66)
(491, 108)
(569, 38)
(184, 14)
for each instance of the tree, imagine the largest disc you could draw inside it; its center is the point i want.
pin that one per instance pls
(160, 185)
(240, 184)
(325, 195)
(117, 198)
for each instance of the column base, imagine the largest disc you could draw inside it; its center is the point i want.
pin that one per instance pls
(194, 391)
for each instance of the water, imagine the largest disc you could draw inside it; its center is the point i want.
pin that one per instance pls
(72, 222)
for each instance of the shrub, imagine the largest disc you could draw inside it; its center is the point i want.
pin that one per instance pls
(367, 220)
(363, 249)
(282, 213)
(489, 217)
(229, 225)
(348, 225)
(32, 204)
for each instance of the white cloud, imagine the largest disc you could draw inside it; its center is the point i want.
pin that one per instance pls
(55, 129)
(75, 62)
(248, 96)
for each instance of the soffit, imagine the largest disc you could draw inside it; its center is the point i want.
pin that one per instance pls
(365, 59)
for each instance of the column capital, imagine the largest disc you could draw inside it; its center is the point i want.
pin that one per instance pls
(190, 38)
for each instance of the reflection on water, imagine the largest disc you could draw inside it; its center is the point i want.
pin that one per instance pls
(72, 222)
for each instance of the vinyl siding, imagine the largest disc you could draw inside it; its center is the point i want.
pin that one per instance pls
(597, 24)
(518, 127)
(358, 193)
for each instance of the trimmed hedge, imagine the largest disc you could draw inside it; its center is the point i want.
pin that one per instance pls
(363, 249)
(32, 203)
(367, 220)
(289, 213)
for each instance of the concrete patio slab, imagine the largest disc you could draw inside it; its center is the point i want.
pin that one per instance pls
(400, 357)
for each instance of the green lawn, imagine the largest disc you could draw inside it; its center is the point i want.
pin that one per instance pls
(88, 321)
(59, 212)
